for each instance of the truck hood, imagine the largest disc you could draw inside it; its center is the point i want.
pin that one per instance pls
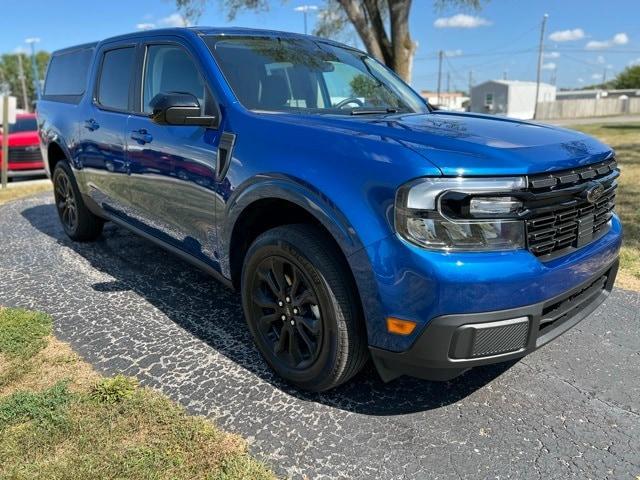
(22, 139)
(473, 144)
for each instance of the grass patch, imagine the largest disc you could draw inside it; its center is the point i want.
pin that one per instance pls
(23, 333)
(20, 191)
(625, 139)
(60, 420)
(114, 390)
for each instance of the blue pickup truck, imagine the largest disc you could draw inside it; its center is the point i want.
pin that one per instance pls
(356, 222)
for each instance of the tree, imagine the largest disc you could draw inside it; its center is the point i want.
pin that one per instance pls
(10, 74)
(628, 78)
(382, 25)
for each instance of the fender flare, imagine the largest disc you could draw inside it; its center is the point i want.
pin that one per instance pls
(296, 191)
(306, 196)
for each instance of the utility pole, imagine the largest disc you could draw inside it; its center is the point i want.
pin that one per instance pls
(604, 76)
(448, 81)
(540, 53)
(36, 76)
(440, 55)
(4, 167)
(25, 98)
(504, 74)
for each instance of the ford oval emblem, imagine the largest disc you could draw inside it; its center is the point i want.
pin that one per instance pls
(594, 193)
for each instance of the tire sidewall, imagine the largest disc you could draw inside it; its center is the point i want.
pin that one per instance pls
(63, 168)
(266, 246)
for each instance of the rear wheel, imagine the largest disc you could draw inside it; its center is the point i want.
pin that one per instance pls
(78, 221)
(302, 309)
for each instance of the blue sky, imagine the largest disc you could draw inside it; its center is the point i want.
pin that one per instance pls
(584, 39)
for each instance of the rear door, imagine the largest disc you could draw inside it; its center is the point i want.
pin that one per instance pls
(102, 147)
(173, 168)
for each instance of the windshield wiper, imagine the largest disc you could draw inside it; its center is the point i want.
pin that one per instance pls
(372, 111)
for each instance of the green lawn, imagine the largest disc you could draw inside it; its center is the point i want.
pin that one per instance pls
(60, 420)
(625, 138)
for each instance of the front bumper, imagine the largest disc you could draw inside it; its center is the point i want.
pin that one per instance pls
(26, 173)
(451, 344)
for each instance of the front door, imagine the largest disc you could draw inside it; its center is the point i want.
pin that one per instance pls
(173, 167)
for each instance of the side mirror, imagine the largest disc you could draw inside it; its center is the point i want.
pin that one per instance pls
(179, 109)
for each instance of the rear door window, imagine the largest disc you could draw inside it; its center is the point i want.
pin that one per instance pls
(67, 75)
(115, 78)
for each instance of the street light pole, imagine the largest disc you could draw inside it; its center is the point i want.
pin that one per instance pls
(306, 9)
(36, 76)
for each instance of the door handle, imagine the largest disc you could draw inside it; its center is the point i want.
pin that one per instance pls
(141, 136)
(91, 125)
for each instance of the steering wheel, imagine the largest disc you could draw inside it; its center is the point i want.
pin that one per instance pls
(347, 101)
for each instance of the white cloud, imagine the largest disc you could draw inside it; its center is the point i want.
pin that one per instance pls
(552, 55)
(461, 21)
(597, 76)
(620, 39)
(600, 59)
(617, 39)
(567, 35)
(634, 62)
(581, 80)
(549, 66)
(173, 20)
(453, 53)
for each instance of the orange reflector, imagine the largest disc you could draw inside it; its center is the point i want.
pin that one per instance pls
(400, 327)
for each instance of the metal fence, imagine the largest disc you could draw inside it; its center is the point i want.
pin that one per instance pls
(591, 107)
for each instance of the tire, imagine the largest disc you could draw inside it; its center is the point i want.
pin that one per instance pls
(78, 222)
(302, 308)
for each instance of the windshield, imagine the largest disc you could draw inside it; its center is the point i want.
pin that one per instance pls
(309, 76)
(24, 124)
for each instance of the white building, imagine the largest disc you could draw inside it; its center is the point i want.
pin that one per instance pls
(510, 98)
(454, 101)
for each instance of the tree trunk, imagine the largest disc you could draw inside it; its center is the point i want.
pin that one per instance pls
(395, 52)
(403, 46)
(367, 32)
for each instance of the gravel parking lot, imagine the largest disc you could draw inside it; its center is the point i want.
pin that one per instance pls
(569, 410)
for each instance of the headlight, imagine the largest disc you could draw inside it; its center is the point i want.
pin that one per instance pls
(461, 214)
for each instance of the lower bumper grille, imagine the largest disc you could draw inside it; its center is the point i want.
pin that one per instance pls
(554, 315)
(536, 325)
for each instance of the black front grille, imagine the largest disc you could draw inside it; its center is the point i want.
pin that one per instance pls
(560, 213)
(24, 154)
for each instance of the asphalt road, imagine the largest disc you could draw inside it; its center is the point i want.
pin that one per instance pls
(569, 410)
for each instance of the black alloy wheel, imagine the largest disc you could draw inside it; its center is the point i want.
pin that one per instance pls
(78, 221)
(302, 307)
(288, 312)
(66, 202)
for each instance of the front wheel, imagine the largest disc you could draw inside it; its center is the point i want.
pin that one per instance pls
(302, 309)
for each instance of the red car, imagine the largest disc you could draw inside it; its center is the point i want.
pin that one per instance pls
(25, 158)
